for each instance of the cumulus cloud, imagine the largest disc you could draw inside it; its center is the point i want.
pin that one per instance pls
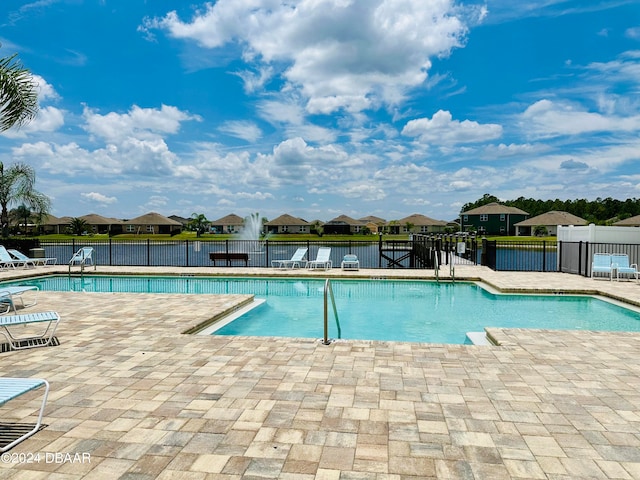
(138, 122)
(339, 54)
(442, 129)
(99, 198)
(546, 118)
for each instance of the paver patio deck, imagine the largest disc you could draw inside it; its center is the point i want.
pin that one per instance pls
(141, 400)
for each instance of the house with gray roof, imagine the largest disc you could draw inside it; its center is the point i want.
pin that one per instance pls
(418, 223)
(288, 224)
(152, 223)
(550, 220)
(231, 223)
(343, 225)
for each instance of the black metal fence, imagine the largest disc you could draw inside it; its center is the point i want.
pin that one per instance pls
(529, 256)
(576, 257)
(258, 253)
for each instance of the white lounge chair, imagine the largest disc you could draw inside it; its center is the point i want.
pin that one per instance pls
(18, 255)
(620, 263)
(7, 260)
(9, 295)
(350, 262)
(82, 257)
(11, 388)
(602, 264)
(322, 260)
(297, 260)
(51, 319)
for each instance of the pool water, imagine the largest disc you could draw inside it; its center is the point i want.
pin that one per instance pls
(395, 310)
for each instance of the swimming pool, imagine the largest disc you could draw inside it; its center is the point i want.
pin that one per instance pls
(396, 310)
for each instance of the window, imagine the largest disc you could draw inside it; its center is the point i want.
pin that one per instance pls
(149, 228)
(302, 229)
(424, 229)
(285, 228)
(502, 217)
(131, 228)
(484, 217)
(465, 218)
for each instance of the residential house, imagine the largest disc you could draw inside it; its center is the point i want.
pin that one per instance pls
(53, 224)
(373, 223)
(343, 225)
(629, 222)
(152, 223)
(418, 223)
(231, 223)
(492, 219)
(102, 225)
(288, 224)
(550, 220)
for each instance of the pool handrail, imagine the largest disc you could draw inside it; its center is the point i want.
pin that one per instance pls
(329, 291)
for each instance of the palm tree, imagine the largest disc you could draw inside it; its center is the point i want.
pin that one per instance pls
(199, 223)
(18, 94)
(17, 185)
(22, 213)
(78, 226)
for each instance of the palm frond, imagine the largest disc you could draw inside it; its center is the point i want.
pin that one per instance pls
(18, 94)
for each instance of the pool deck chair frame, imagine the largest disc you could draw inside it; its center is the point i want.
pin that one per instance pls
(322, 259)
(9, 295)
(7, 322)
(11, 388)
(602, 264)
(44, 261)
(82, 257)
(620, 263)
(7, 260)
(296, 261)
(350, 262)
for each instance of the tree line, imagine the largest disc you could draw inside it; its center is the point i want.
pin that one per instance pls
(601, 211)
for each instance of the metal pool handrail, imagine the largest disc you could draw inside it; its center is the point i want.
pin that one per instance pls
(329, 291)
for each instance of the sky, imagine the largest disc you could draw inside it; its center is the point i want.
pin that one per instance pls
(321, 108)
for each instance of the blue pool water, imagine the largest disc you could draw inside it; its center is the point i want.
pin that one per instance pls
(415, 311)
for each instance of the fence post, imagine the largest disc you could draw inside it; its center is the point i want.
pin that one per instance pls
(148, 252)
(544, 255)
(110, 252)
(186, 253)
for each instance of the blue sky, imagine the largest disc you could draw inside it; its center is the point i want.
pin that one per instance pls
(319, 108)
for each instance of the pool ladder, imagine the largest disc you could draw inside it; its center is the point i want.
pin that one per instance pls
(328, 292)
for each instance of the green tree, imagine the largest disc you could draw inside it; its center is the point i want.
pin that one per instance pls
(22, 213)
(18, 94)
(198, 223)
(540, 231)
(17, 186)
(78, 226)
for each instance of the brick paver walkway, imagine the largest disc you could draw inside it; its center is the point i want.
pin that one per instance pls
(134, 398)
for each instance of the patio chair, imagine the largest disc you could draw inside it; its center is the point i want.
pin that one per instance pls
(620, 263)
(7, 260)
(18, 255)
(322, 259)
(602, 264)
(11, 388)
(8, 322)
(297, 260)
(9, 295)
(350, 262)
(82, 257)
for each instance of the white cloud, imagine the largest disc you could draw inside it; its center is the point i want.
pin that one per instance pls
(340, 54)
(99, 198)
(245, 130)
(49, 119)
(138, 122)
(45, 89)
(442, 129)
(546, 119)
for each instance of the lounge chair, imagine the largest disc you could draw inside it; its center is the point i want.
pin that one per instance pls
(51, 319)
(297, 260)
(7, 260)
(11, 388)
(602, 264)
(9, 295)
(322, 259)
(350, 262)
(620, 263)
(82, 257)
(18, 255)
